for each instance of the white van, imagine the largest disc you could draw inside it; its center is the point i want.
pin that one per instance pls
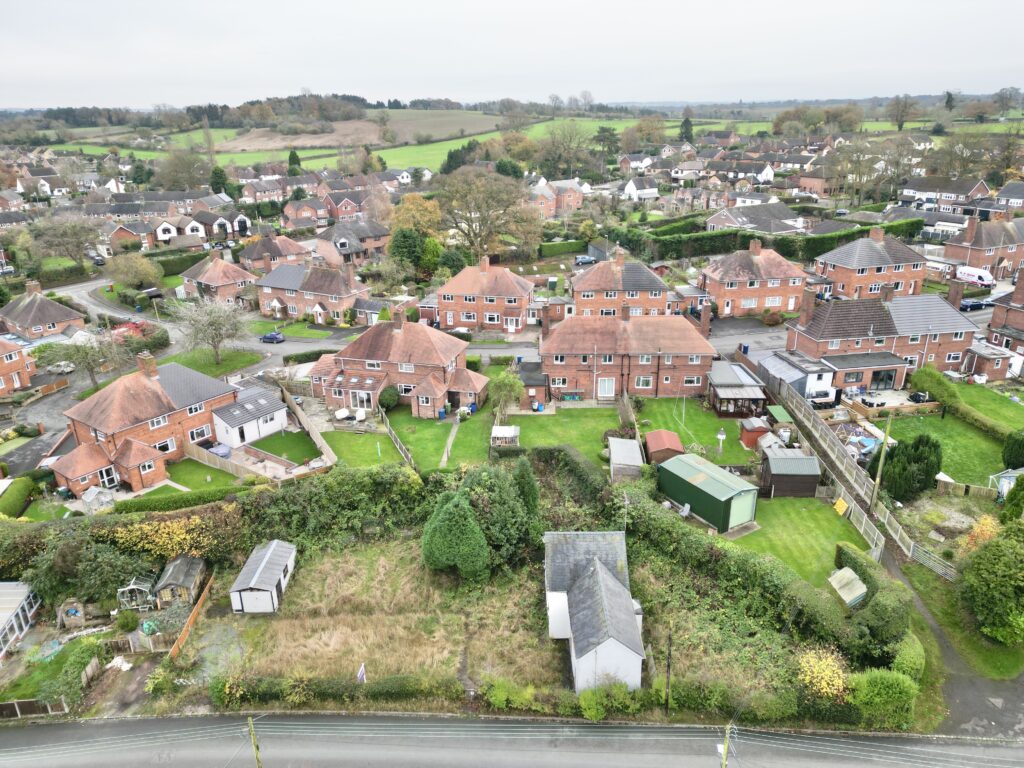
(975, 276)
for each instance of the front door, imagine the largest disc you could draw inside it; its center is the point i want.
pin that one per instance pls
(727, 307)
(241, 434)
(15, 379)
(792, 304)
(108, 478)
(450, 318)
(606, 388)
(511, 323)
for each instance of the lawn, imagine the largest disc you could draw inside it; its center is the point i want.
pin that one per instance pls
(192, 474)
(993, 404)
(802, 533)
(582, 428)
(15, 442)
(472, 443)
(42, 510)
(30, 682)
(425, 438)
(165, 490)
(297, 447)
(294, 330)
(171, 281)
(201, 360)
(361, 450)
(968, 454)
(990, 659)
(698, 426)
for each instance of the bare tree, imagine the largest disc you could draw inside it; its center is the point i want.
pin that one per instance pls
(572, 103)
(209, 324)
(900, 109)
(182, 169)
(97, 355)
(208, 141)
(587, 99)
(64, 237)
(556, 103)
(564, 149)
(1006, 99)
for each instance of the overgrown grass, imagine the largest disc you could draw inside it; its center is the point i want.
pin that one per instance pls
(582, 428)
(37, 674)
(425, 438)
(694, 424)
(999, 662)
(297, 447)
(192, 474)
(930, 707)
(802, 533)
(361, 450)
(968, 454)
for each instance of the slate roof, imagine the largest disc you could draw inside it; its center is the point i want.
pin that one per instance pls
(567, 554)
(404, 342)
(850, 319)
(1013, 190)
(279, 246)
(32, 309)
(992, 234)
(493, 281)
(962, 186)
(601, 609)
(769, 217)
(264, 567)
(828, 226)
(866, 252)
(297, 277)
(184, 570)
(357, 229)
(253, 401)
(927, 313)
(745, 265)
(531, 375)
(612, 276)
(671, 334)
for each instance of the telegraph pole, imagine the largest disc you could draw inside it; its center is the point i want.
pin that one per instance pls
(881, 463)
(256, 745)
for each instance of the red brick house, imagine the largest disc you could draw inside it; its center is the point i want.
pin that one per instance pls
(126, 432)
(16, 368)
(996, 246)
(217, 279)
(1006, 329)
(346, 204)
(483, 297)
(860, 269)
(270, 251)
(305, 213)
(33, 315)
(261, 192)
(753, 281)
(941, 193)
(355, 241)
(603, 357)
(293, 291)
(602, 289)
(427, 366)
(874, 343)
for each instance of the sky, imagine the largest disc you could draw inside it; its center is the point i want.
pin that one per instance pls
(137, 54)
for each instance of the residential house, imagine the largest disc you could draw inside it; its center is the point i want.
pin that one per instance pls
(216, 279)
(128, 234)
(721, 138)
(637, 162)
(753, 281)
(346, 204)
(769, 218)
(543, 199)
(354, 241)
(1011, 195)
(740, 199)
(127, 431)
(996, 246)
(941, 193)
(603, 357)
(1006, 328)
(873, 343)
(308, 182)
(427, 366)
(639, 188)
(16, 368)
(483, 297)
(220, 201)
(34, 316)
(861, 268)
(166, 229)
(10, 200)
(223, 224)
(270, 251)
(261, 192)
(305, 213)
(291, 291)
(586, 587)
(682, 148)
(9, 219)
(603, 289)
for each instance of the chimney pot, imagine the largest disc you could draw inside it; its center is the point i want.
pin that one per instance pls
(485, 262)
(755, 247)
(147, 364)
(877, 234)
(33, 286)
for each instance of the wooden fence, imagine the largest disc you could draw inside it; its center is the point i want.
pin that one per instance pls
(307, 424)
(948, 488)
(19, 708)
(212, 460)
(879, 412)
(261, 455)
(395, 439)
(191, 621)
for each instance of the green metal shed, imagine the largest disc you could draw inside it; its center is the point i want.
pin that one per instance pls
(714, 494)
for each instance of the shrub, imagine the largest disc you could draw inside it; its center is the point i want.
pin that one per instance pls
(510, 529)
(412, 314)
(127, 621)
(394, 688)
(526, 485)
(504, 360)
(884, 699)
(452, 539)
(68, 684)
(821, 674)
(992, 585)
(592, 705)
(1013, 450)
(175, 264)
(1013, 504)
(910, 468)
(16, 497)
(473, 362)
(503, 695)
(309, 356)
(175, 501)
(27, 430)
(909, 658)
(460, 335)
(585, 480)
(882, 620)
(388, 397)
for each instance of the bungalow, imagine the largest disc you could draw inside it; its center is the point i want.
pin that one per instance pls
(34, 316)
(166, 229)
(216, 279)
(769, 218)
(294, 291)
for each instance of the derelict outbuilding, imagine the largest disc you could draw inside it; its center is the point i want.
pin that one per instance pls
(263, 579)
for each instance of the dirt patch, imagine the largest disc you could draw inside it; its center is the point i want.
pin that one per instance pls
(116, 693)
(348, 133)
(948, 516)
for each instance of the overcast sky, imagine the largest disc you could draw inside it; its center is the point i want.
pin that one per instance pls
(136, 54)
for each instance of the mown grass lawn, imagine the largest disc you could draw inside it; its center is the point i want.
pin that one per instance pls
(802, 533)
(993, 404)
(582, 428)
(999, 662)
(294, 330)
(425, 438)
(163, 490)
(361, 450)
(968, 454)
(297, 447)
(42, 510)
(171, 281)
(473, 440)
(192, 474)
(15, 442)
(201, 360)
(694, 424)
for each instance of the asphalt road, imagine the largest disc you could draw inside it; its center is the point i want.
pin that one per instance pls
(397, 742)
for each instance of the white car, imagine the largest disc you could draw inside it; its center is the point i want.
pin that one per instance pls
(62, 367)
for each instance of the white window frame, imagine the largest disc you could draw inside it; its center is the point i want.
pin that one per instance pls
(644, 382)
(644, 359)
(406, 368)
(953, 357)
(199, 433)
(372, 365)
(586, 294)
(833, 343)
(146, 467)
(467, 317)
(558, 382)
(558, 359)
(406, 389)
(159, 421)
(691, 381)
(423, 400)
(607, 359)
(196, 408)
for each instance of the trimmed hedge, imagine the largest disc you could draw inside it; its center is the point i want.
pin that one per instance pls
(158, 339)
(308, 356)
(473, 362)
(177, 263)
(501, 359)
(561, 249)
(175, 501)
(885, 699)
(882, 620)
(929, 379)
(13, 502)
(909, 658)
(61, 275)
(233, 692)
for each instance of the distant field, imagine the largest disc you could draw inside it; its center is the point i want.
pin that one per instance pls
(195, 137)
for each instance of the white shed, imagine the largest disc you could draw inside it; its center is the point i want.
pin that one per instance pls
(848, 586)
(257, 412)
(264, 578)
(625, 457)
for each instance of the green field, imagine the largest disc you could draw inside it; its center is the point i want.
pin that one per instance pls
(694, 424)
(163, 490)
(582, 428)
(201, 360)
(802, 533)
(192, 474)
(362, 450)
(297, 447)
(968, 454)
(171, 281)
(195, 137)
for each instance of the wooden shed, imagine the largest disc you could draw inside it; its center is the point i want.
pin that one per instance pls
(662, 445)
(711, 493)
(789, 472)
(180, 582)
(626, 458)
(263, 579)
(751, 429)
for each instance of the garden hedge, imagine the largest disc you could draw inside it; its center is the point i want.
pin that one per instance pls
(882, 619)
(176, 501)
(309, 356)
(61, 275)
(909, 658)
(884, 698)
(16, 497)
(231, 692)
(585, 478)
(177, 263)
(562, 248)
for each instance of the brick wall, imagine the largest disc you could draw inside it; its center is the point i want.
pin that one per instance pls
(788, 296)
(581, 373)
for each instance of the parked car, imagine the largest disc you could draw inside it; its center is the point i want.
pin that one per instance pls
(63, 366)
(7, 269)
(274, 337)
(583, 260)
(842, 212)
(98, 260)
(969, 305)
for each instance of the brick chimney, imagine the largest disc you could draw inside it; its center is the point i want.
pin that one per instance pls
(625, 311)
(147, 364)
(485, 262)
(1018, 292)
(620, 255)
(877, 234)
(33, 286)
(807, 301)
(956, 292)
(754, 247)
(350, 274)
(887, 291)
(972, 229)
(397, 317)
(705, 319)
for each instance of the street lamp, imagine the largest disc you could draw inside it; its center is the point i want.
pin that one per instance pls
(721, 440)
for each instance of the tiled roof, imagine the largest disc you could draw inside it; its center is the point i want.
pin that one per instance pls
(493, 281)
(82, 460)
(1013, 190)
(613, 276)
(869, 252)
(280, 246)
(131, 453)
(415, 343)
(32, 309)
(465, 380)
(859, 318)
(927, 313)
(745, 265)
(567, 554)
(671, 334)
(217, 271)
(601, 609)
(992, 234)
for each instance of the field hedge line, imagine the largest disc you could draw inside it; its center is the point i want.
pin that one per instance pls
(176, 500)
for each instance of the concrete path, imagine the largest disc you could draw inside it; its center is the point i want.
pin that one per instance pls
(448, 445)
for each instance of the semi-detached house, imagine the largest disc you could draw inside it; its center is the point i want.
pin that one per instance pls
(996, 246)
(485, 298)
(16, 368)
(216, 279)
(861, 268)
(602, 289)
(295, 290)
(750, 281)
(34, 316)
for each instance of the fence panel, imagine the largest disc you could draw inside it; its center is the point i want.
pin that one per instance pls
(395, 439)
(300, 415)
(191, 622)
(212, 460)
(934, 562)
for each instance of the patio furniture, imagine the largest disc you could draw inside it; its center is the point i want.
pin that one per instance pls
(361, 415)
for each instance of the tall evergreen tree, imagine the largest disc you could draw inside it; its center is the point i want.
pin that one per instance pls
(218, 179)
